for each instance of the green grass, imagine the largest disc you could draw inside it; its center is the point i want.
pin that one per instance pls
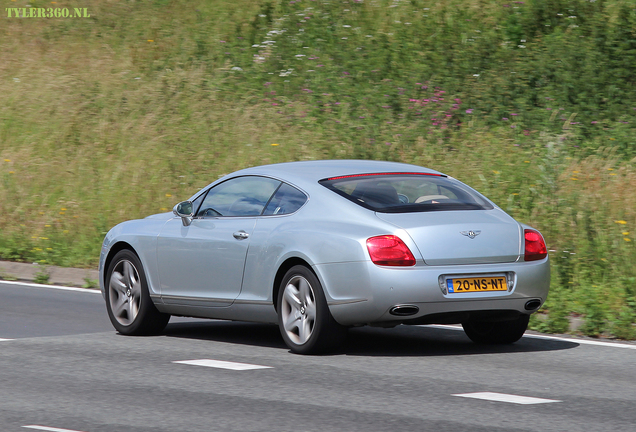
(127, 112)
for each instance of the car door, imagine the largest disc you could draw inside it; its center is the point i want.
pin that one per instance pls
(202, 264)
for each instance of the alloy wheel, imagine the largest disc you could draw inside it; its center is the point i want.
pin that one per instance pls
(124, 292)
(298, 309)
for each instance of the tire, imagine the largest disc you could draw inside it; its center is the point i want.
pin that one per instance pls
(128, 302)
(303, 315)
(499, 332)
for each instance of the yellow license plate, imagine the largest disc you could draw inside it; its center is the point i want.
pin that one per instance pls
(473, 284)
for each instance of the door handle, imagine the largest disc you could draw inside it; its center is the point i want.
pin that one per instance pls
(240, 235)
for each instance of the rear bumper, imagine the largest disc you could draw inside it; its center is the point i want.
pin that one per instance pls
(362, 293)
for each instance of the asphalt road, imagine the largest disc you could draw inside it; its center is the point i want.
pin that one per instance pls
(63, 367)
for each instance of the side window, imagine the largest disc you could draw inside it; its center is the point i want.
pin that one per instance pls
(286, 200)
(241, 196)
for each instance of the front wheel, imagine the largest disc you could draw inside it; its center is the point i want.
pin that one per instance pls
(303, 315)
(499, 332)
(128, 302)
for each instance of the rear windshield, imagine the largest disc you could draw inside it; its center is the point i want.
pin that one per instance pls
(405, 192)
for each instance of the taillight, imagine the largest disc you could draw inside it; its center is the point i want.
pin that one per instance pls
(535, 246)
(389, 250)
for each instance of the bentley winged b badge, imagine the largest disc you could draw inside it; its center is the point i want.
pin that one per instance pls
(471, 234)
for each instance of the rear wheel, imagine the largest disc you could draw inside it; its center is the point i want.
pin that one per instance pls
(128, 302)
(499, 332)
(303, 315)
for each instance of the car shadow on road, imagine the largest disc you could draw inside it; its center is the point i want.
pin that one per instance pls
(263, 335)
(429, 341)
(401, 341)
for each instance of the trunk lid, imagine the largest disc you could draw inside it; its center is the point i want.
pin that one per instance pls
(461, 237)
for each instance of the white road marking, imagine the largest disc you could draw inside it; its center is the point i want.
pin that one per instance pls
(583, 341)
(50, 429)
(533, 336)
(222, 364)
(4, 340)
(502, 397)
(59, 287)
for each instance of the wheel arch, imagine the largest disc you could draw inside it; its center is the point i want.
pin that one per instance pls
(280, 273)
(114, 250)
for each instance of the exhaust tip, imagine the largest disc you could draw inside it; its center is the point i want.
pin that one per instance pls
(404, 310)
(533, 304)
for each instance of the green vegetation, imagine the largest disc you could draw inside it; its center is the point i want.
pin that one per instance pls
(42, 276)
(90, 283)
(127, 112)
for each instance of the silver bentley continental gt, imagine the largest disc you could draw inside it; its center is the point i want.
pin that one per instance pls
(320, 246)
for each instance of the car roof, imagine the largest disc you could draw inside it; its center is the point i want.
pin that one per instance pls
(307, 173)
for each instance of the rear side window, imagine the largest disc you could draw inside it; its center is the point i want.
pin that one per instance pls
(286, 200)
(406, 192)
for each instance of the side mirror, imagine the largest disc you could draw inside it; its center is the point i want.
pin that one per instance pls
(184, 211)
